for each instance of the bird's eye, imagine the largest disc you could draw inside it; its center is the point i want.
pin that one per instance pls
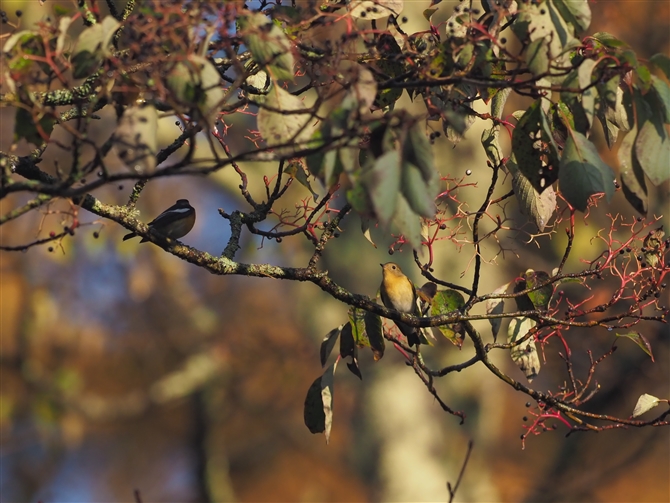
(393, 267)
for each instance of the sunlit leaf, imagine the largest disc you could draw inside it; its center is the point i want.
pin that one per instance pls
(269, 45)
(318, 411)
(196, 85)
(525, 354)
(575, 12)
(540, 297)
(496, 306)
(296, 170)
(374, 9)
(328, 344)
(589, 92)
(608, 40)
(278, 122)
(633, 184)
(92, 46)
(365, 228)
(645, 403)
(539, 208)
(640, 340)
(357, 321)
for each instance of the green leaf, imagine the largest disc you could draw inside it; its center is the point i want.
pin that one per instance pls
(347, 344)
(418, 151)
(318, 411)
(92, 46)
(428, 13)
(537, 57)
(589, 94)
(583, 173)
(349, 338)
(382, 183)
(491, 144)
(523, 302)
(540, 297)
(621, 114)
(407, 222)
(652, 148)
(21, 44)
(496, 306)
(533, 145)
(25, 126)
(525, 354)
(653, 244)
(609, 40)
(196, 85)
(445, 302)
(539, 208)
(268, 44)
(640, 340)
(328, 344)
(279, 124)
(575, 12)
(663, 92)
(358, 197)
(357, 321)
(632, 177)
(662, 62)
(374, 331)
(645, 403)
(419, 195)
(295, 169)
(644, 76)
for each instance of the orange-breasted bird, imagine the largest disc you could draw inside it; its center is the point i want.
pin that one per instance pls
(173, 223)
(398, 292)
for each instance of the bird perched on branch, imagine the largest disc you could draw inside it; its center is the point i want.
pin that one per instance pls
(173, 223)
(398, 292)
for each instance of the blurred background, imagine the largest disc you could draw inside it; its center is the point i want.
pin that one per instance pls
(125, 369)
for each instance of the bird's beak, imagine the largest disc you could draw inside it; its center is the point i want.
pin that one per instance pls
(381, 265)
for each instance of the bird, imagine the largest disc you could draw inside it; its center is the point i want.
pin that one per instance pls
(173, 223)
(398, 292)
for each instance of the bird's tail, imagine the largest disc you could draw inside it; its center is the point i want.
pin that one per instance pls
(129, 236)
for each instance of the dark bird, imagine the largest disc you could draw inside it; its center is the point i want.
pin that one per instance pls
(173, 223)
